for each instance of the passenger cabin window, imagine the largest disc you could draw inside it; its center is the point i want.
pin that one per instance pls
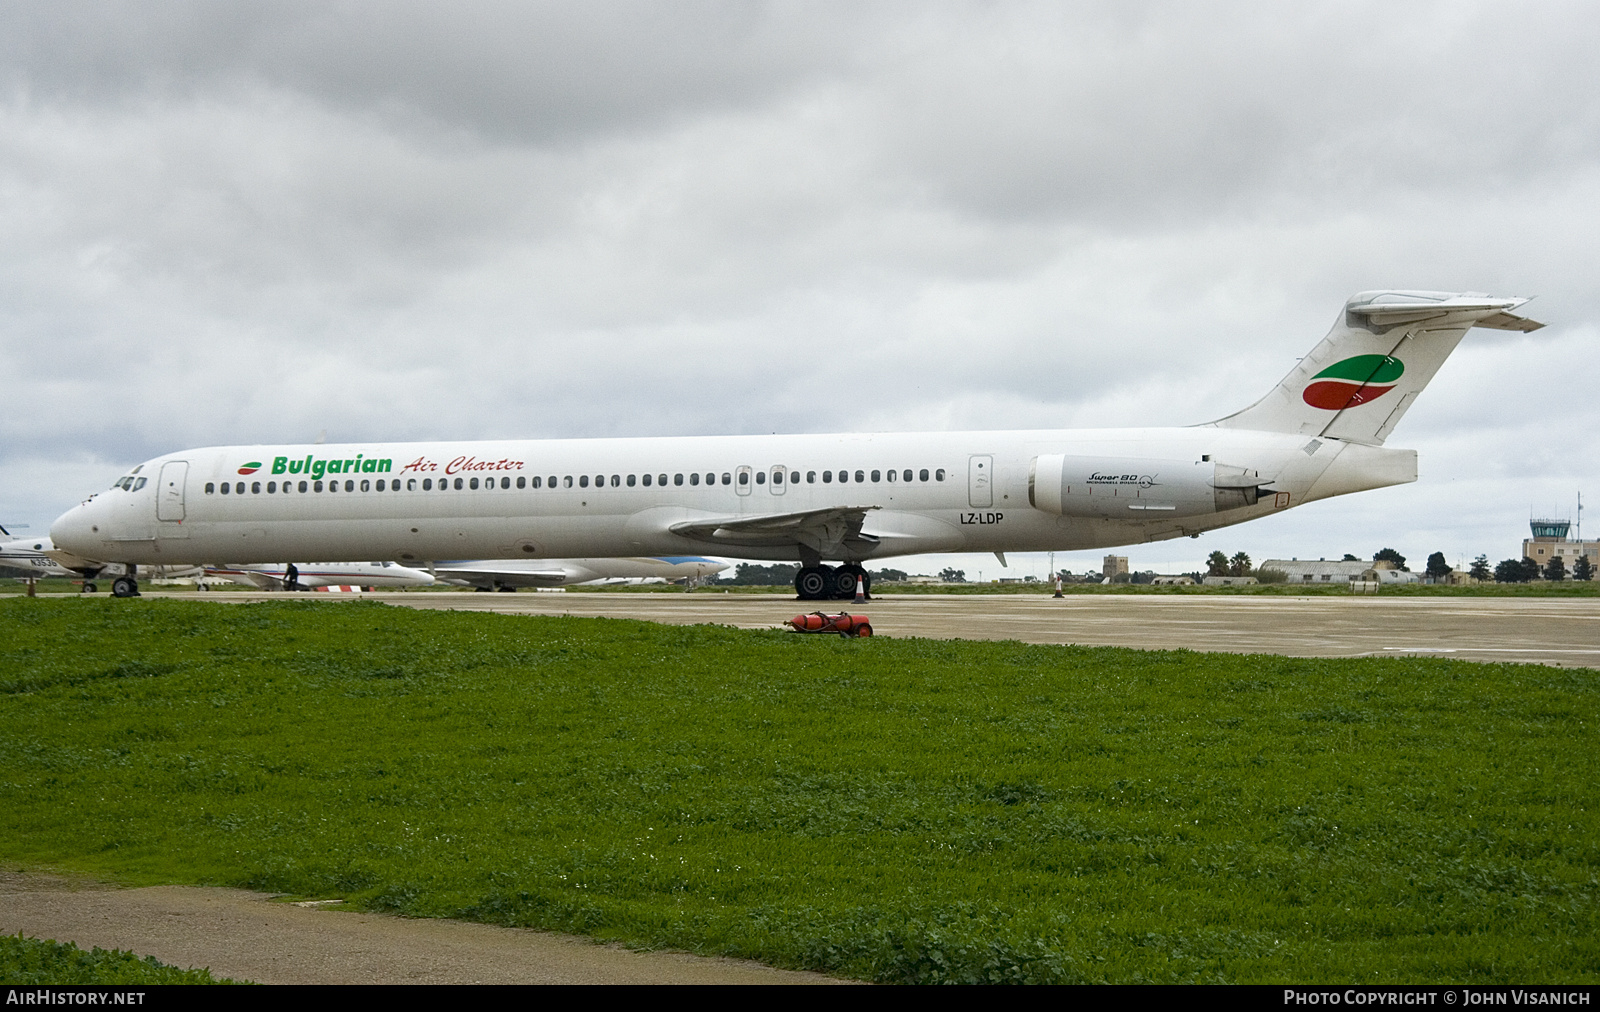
(255, 488)
(317, 486)
(583, 481)
(302, 486)
(744, 479)
(891, 475)
(616, 480)
(272, 487)
(811, 477)
(874, 476)
(365, 485)
(827, 477)
(226, 488)
(922, 475)
(727, 479)
(862, 476)
(939, 474)
(677, 479)
(211, 487)
(427, 484)
(631, 478)
(761, 477)
(458, 484)
(694, 479)
(647, 481)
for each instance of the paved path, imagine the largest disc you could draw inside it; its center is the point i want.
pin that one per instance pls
(252, 936)
(1560, 631)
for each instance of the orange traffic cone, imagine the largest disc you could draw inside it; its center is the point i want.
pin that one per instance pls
(861, 589)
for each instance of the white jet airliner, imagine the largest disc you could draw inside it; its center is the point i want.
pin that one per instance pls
(820, 499)
(311, 575)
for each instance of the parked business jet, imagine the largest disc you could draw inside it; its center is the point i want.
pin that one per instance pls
(33, 557)
(311, 575)
(27, 556)
(820, 499)
(509, 574)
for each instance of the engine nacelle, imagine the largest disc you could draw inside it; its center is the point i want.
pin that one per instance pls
(1139, 487)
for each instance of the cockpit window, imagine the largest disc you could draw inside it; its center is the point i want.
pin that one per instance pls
(139, 484)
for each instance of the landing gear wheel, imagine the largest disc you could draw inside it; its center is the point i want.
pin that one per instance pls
(844, 582)
(502, 588)
(811, 583)
(89, 588)
(483, 590)
(125, 586)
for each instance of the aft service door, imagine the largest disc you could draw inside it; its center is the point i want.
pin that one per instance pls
(980, 480)
(169, 490)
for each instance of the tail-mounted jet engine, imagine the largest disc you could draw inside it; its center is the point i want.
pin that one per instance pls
(1128, 487)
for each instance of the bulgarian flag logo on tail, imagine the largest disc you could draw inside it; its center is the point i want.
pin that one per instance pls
(250, 468)
(1353, 381)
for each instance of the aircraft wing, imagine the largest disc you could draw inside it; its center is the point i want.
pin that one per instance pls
(245, 575)
(825, 530)
(484, 575)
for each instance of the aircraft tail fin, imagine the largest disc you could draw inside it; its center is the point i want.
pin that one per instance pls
(1385, 347)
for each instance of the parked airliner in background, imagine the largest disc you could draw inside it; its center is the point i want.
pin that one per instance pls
(820, 499)
(311, 575)
(509, 574)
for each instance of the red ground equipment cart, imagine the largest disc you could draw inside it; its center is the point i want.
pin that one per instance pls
(843, 623)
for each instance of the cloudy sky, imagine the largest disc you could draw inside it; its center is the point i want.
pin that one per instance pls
(239, 223)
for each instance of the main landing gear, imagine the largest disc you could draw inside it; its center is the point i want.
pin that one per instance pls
(825, 583)
(125, 586)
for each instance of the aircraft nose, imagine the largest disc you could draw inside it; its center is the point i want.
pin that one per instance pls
(76, 531)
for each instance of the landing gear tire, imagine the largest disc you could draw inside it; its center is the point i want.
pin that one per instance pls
(505, 590)
(124, 586)
(89, 588)
(844, 582)
(483, 590)
(813, 583)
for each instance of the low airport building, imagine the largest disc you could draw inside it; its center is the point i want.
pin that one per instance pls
(1342, 571)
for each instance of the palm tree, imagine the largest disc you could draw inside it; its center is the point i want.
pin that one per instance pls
(1239, 565)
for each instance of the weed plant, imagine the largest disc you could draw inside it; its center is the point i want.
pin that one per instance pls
(896, 810)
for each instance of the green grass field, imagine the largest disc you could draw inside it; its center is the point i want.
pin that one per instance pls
(896, 810)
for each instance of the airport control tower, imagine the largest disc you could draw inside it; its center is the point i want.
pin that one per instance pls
(1550, 541)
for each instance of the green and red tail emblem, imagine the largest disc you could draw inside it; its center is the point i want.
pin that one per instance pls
(250, 468)
(1358, 380)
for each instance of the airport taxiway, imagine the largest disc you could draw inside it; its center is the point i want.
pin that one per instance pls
(1558, 631)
